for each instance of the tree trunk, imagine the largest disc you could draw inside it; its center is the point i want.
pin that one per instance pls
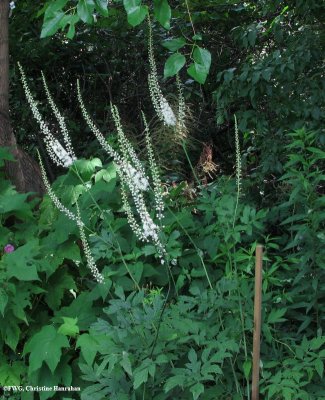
(24, 173)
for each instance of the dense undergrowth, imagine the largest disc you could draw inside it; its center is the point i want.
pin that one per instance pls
(150, 334)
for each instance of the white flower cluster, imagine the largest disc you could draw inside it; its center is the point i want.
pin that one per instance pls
(60, 119)
(146, 230)
(181, 126)
(63, 157)
(59, 155)
(90, 261)
(139, 180)
(161, 105)
(238, 157)
(167, 113)
(100, 137)
(53, 196)
(133, 179)
(76, 218)
(159, 203)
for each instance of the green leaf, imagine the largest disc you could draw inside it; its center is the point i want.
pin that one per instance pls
(136, 270)
(319, 366)
(12, 202)
(73, 19)
(69, 327)
(174, 64)
(101, 7)
(192, 356)
(59, 283)
(11, 374)
(12, 333)
(53, 7)
(71, 32)
(174, 44)
(81, 307)
(317, 151)
(197, 390)
(136, 12)
(85, 9)
(107, 174)
(51, 26)
(162, 12)
(197, 37)
(140, 377)
(126, 363)
(252, 35)
(275, 316)
(21, 264)
(177, 380)
(199, 70)
(3, 301)
(203, 57)
(88, 346)
(247, 366)
(317, 342)
(45, 346)
(86, 168)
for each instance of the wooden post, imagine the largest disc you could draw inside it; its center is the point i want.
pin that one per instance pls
(257, 322)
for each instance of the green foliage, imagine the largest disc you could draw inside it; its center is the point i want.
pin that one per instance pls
(275, 84)
(60, 14)
(63, 329)
(136, 12)
(263, 62)
(45, 346)
(200, 68)
(173, 64)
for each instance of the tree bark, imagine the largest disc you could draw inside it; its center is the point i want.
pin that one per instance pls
(24, 173)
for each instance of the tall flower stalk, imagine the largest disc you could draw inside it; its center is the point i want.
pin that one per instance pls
(59, 155)
(63, 157)
(74, 217)
(60, 119)
(134, 180)
(161, 105)
(238, 169)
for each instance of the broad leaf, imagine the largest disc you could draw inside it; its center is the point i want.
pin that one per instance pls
(11, 374)
(199, 70)
(58, 284)
(136, 12)
(174, 64)
(101, 7)
(140, 378)
(21, 264)
(85, 9)
(45, 346)
(71, 32)
(88, 345)
(52, 25)
(162, 12)
(174, 44)
(69, 327)
(54, 7)
(197, 390)
(86, 168)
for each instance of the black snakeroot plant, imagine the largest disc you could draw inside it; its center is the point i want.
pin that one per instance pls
(136, 184)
